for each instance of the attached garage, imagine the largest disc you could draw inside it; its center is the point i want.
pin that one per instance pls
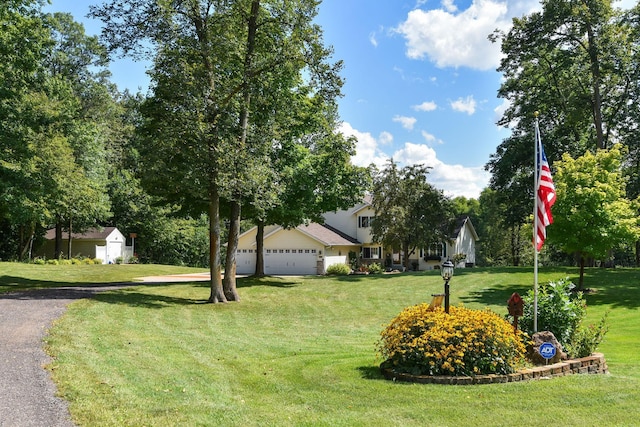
(292, 261)
(299, 251)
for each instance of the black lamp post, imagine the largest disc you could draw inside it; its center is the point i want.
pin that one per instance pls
(447, 272)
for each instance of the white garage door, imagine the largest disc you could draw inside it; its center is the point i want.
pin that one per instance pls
(290, 261)
(246, 261)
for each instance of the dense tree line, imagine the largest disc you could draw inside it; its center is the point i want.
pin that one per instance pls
(239, 125)
(576, 62)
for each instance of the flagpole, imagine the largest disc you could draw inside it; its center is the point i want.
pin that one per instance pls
(535, 224)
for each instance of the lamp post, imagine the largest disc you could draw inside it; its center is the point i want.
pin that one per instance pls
(447, 272)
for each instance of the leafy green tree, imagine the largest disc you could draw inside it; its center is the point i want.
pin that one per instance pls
(21, 74)
(410, 212)
(591, 214)
(212, 59)
(573, 62)
(495, 245)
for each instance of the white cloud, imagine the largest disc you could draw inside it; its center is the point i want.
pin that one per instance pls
(467, 105)
(430, 138)
(367, 151)
(385, 138)
(451, 39)
(454, 180)
(373, 40)
(449, 6)
(406, 122)
(426, 106)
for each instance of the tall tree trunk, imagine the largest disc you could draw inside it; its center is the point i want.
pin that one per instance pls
(69, 241)
(260, 250)
(229, 281)
(405, 251)
(217, 293)
(581, 279)
(515, 246)
(597, 97)
(57, 251)
(26, 242)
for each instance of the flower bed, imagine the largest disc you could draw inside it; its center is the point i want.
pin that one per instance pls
(594, 364)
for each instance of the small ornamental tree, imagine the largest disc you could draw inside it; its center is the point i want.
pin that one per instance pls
(465, 342)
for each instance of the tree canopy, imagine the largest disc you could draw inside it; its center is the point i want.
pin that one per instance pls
(410, 212)
(592, 215)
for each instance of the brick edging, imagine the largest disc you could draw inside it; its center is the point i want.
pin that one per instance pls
(594, 364)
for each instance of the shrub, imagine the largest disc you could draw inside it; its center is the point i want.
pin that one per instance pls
(39, 261)
(375, 268)
(466, 342)
(52, 262)
(585, 340)
(339, 270)
(76, 261)
(97, 261)
(559, 310)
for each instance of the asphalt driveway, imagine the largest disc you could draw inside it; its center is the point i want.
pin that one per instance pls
(27, 393)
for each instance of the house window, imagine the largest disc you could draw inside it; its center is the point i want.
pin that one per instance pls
(268, 251)
(364, 221)
(371, 252)
(437, 249)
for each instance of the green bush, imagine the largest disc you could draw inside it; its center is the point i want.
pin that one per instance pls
(52, 262)
(585, 340)
(559, 310)
(339, 270)
(465, 342)
(375, 268)
(39, 261)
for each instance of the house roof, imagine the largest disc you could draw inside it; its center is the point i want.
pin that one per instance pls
(327, 235)
(90, 234)
(460, 222)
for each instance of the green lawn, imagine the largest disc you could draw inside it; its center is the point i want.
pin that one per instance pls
(301, 352)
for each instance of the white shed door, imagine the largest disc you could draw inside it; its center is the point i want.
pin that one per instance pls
(114, 250)
(290, 261)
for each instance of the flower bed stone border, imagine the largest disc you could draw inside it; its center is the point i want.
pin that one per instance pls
(594, 364)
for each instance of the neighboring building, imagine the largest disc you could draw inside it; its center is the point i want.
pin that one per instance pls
(106, 244)
(311, 249)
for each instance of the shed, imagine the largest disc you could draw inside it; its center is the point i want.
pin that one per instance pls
(106, 243)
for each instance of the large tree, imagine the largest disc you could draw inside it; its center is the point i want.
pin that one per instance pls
(211, 59)
(592, 215)
(572, 62)
(410, 212)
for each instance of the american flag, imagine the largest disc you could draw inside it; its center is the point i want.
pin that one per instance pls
(545, 192)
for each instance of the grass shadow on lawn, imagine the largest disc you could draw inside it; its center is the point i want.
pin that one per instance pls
(140, 299)
(371, 373)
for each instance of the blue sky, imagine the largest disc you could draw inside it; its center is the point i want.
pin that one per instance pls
(421, 85)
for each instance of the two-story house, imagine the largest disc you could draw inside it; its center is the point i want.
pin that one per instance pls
(311, 249)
